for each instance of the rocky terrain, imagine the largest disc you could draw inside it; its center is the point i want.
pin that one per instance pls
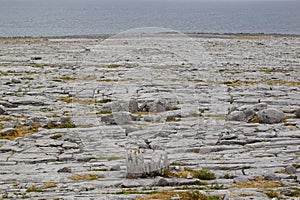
(150, 116)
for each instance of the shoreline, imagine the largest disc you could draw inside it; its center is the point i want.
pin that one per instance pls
(191, 34)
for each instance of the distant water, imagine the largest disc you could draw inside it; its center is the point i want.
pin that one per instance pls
(78, 17)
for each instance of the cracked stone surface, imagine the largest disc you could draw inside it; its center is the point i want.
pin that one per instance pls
(61, 137)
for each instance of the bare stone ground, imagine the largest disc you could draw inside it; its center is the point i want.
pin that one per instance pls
(64, 133)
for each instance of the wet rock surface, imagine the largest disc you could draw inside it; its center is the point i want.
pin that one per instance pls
(224, 111)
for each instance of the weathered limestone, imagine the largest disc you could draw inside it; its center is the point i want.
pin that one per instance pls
(2, 110)
(118, 118)
(77, 112)
(270, 116)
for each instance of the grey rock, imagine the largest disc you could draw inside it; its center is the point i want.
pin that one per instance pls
(65, 170)
(249, 114)
(133, 106)
(158, 105)
(118, 118)
(162, 182)
(271, 116)
(290, 170)
(189, 176)
(122, 106)
(36, 58)
(141, 163)
(115, 168)
(154, 107)
(130, 129)
(271, 177)
(245, 114)
(2, 110)
(259, 107)
(16, 81)
(236, 116)
(7, 104)
(240, 179)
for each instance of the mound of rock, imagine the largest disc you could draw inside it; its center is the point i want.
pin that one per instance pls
(264, 115)
(2, 110)
(270, 116)
(118, 118)
(141, 164)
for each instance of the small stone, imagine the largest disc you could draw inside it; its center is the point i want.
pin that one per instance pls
(271, 116)
(16, 81)
(118, 118)
(65, 170)
(290, 170)
(115, 168)
(271, 177)
(2, 110)
(249, 114)
(241, 179)
(236, 116)
(189, 176)
(162, 182)
(133, 106)
(36, 58)
(156, 108)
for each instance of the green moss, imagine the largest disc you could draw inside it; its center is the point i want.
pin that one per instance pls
(297, 166)
(203, 174)
(216, 186)
(56, 136)
(103, 112)
(98, 169)
(177, 164)
(103, 101)
(227, 176)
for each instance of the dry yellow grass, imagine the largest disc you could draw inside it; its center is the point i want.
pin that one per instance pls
(19, 131)
(167, 195)
(78, 177)
(49, 185)
(258, 184)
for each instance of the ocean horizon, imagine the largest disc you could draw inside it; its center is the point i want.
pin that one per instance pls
(42, 18)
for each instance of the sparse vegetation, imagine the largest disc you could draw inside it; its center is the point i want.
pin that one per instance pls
(56, 136)
(34, 188)
(79, 177)
(50, 185)
(183, 195)
(98, 169)
(258, 184)
(272, 193)
(201, 174)
(227, 176)
(20, 131)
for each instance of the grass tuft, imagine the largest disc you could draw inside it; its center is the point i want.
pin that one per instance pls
(79, 177)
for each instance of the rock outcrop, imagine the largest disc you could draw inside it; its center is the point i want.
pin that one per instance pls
(141, 163)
